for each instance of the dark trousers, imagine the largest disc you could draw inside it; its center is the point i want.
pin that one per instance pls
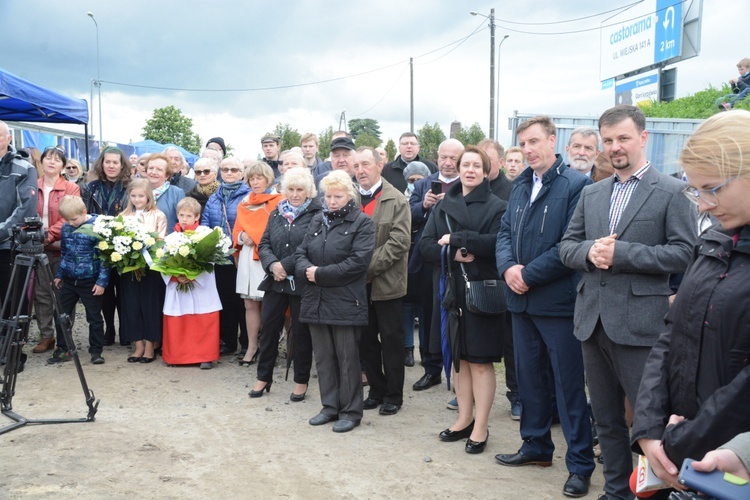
(111, 303)
(540, 341)
(232, 312)
(613, 372)
(272, 319)
(142, 307)
(511, 381)
(6, 269)
(71, 292)
(383, 358)
(339, 378)
(431, 360)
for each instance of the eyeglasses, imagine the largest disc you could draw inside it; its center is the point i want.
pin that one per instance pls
(71, 167)
(409, 143)
(225, 170)
(55, 148)
(203, 172)
(707, 196)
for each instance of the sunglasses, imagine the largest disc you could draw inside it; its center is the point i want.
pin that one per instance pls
(203, 172)
(71, 167)
(55, 148)
(234, 170)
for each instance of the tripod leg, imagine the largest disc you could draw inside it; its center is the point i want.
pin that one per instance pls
(16, 331)
(45, 275)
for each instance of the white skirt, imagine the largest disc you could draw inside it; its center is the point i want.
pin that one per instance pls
(249, 274)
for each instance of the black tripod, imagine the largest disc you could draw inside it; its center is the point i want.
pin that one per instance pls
(15, 330)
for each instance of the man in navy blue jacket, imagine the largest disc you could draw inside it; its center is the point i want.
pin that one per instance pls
(541, 298)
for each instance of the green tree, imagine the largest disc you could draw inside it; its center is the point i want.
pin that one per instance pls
(471, 135)
(430, 137)
(390, 149)
(697, 106)
(367, 139)
(324, 142)
(169, 126)
(364, 126)
(289, 136)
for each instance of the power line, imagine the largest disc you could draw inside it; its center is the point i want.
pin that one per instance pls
(296, 85)
(584, 30)
(571, 20)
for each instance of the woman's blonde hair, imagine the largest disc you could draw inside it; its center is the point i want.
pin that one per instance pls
(258, 167)
(719, 146)
(298, 177)
(146, 186)
(339, 179)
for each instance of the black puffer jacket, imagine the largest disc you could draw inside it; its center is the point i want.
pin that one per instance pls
(342, 254)
(700, 366)
(278, 244)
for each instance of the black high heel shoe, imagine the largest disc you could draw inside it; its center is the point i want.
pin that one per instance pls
(252, 361)
(259, 394)
(296, 398)
(476, 446)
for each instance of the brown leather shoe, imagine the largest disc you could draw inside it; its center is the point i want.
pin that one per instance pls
(44, 346)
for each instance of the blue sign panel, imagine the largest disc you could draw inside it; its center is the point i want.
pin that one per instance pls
(668, 30)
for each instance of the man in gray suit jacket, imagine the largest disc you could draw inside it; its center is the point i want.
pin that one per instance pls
(628, 234)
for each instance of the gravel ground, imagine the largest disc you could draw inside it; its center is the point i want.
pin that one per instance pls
(182, 432)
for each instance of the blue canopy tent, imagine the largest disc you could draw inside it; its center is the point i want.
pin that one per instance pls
(150, 146)
(22, 100)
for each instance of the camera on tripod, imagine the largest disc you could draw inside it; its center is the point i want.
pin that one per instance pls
(29, 232)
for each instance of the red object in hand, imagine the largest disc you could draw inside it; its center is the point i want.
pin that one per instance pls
(634, 481)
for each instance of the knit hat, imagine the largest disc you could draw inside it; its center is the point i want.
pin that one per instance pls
(416, 168)
(220, 142)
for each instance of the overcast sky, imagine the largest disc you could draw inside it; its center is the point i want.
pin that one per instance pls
(366, 46)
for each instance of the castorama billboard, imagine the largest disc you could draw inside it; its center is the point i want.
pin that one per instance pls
(646, 34)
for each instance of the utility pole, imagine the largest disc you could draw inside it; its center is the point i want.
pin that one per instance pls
(411, 94)
(492, 73)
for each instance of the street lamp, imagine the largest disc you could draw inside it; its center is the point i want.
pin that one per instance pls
(491, 19)
(98, 81)
(497, 101)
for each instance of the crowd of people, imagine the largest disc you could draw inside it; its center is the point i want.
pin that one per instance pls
(608, 280)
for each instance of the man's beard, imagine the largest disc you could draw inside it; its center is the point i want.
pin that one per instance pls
(583, 165)
(621, 166)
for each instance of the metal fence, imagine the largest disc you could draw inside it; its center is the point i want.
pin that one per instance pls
(667, 136)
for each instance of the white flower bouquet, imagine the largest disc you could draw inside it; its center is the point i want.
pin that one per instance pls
(191, 253)
(124, 243)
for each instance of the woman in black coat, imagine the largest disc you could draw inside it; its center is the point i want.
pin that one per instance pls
(474, 214)
(107, 194)
(333, 261)
(284, 232)
(694, 391)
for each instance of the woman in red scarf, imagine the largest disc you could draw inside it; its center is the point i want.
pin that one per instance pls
(252, 217)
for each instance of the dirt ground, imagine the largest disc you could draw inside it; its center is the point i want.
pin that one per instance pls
(182, 432)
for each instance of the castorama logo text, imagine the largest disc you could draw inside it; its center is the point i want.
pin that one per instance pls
(627, 31)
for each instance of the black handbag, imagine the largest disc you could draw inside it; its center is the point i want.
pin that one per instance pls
(486, 297)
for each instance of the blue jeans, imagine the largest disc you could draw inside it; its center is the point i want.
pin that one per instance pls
(409, 312)
(733, 98)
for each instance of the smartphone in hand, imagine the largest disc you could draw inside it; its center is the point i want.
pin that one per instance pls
(718, 484)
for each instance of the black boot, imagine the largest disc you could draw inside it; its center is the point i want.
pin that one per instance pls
(408, 356)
